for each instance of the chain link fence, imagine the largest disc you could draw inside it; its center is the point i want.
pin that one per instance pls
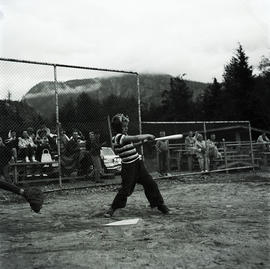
(59, 107)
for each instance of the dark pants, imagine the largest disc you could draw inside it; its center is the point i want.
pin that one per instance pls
(136, 173)
(27, 152)
(163, 162)
(4, 170)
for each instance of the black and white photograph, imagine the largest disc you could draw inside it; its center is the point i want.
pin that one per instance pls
(134, 134)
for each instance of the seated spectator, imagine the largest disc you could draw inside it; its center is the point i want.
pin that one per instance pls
(12, 143)
(31, 133)
(45, 129)
(213, 152)
(72, 156)
(42, 142)
(189, 147)
(162, 147)
(201, 153)
(27, 147)
(63, 140)
(6, 155)
(264, 141)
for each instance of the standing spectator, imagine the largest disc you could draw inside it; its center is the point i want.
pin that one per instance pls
(71, 157)
(12, 143)
(162, 147)
(213, 152)
(264, 141)
(93, 146)
(201, 153)
(42, 141)
(5, 156)
(189, 146)
(27, 147)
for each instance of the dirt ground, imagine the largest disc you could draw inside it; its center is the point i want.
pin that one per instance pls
(218, 221)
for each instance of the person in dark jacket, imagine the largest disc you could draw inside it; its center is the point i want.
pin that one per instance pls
(12, 143)
(5, 157)
(93, 146)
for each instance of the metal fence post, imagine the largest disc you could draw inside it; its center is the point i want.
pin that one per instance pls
(225, 155)
(139, 109)
(57, 127)
(206, 163)
(110, 129)
(251, 147)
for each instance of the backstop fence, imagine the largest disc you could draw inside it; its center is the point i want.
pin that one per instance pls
(56, 101)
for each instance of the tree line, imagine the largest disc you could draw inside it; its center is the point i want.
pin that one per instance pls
(241, 95)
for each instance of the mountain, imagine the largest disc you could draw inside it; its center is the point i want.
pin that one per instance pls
(42, 96)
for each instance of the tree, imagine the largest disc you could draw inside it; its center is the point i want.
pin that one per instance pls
(177, 103)
(262, 86)
(9, 95)
(239, 87)
(264, 66)
(210, 102)
(67, 112)
(88, 109)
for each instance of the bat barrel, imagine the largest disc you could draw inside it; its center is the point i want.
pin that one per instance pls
(170, 137)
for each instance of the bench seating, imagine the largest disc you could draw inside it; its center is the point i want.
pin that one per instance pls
(22, 168)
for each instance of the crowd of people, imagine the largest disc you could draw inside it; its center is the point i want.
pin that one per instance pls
(28, 147)
(33, 146)
(74, 157)
(205, 151)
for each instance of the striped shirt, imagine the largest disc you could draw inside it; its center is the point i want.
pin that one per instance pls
(126, 150)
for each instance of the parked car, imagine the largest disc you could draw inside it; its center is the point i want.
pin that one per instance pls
(112, 162)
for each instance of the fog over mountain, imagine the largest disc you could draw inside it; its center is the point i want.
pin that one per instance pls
(42, 96)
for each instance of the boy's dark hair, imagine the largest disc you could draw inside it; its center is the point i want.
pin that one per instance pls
(117, 121)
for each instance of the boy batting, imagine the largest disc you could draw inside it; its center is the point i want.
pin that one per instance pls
(133, 169)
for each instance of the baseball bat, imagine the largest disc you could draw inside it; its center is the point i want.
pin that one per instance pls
(170, 137)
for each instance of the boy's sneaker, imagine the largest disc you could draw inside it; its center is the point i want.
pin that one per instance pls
(164, 209)
(109, 213)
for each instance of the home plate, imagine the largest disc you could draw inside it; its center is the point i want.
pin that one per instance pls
(123, 222)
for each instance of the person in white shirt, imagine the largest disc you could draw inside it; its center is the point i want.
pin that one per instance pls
(264, 141)
(27, 147)
(201, 153)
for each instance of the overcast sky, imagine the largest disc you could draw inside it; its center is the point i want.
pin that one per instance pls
(196, 37)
